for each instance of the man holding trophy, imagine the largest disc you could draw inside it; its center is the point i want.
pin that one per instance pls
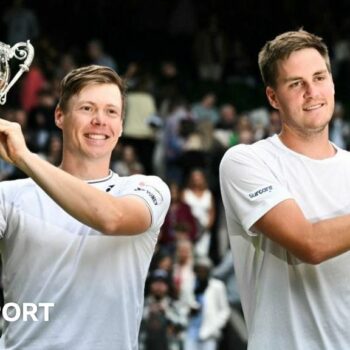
(78, 237)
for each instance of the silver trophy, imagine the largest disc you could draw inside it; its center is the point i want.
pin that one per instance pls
(21, 51)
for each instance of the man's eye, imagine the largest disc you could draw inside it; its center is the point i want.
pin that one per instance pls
(295, 84)
(112, 112)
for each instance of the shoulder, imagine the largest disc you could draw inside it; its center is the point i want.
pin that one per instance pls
(253, 150)
(150, 185)
(263, 151)
(236, 156)
(144, 180)
(343, 154)
(12, 188)
(23, 193)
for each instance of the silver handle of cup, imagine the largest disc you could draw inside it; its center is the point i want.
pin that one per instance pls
(20, 51)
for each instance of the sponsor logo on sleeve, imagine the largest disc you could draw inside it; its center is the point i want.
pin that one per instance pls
(109, 188)
(260, 191)
(151, 192)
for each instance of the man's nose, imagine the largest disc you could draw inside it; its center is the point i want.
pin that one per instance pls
(99, 118)
(311, 90)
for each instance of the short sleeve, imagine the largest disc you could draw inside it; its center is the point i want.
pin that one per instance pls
(249, 186)
(155, 193)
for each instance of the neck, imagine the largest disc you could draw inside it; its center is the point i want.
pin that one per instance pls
(312, 145)
(85, 170)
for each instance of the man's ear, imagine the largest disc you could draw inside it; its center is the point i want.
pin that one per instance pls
(59, 117)
(271, 95)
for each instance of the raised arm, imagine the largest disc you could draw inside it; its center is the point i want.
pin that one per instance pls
(126, 215)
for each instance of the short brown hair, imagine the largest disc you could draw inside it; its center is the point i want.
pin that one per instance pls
(282, 46)
(81, 77)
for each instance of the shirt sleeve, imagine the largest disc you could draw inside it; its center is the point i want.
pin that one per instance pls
(249, 186)
(154, 192)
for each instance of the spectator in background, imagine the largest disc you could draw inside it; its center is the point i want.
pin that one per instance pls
(168, 87)
(163, 317)
(98, 56)
(67, 62)
(40, 121)
(32, 83)
(201, 201)
(162, 259)
(132, 74)
(194, 154)
(227, 117)
(274, 126)
(183, 274)
(21, 23)
(259, 119)
(174, 138)
(179, 222)
(128, 164)
(210, 313)
(225, 128)
(46, 49)
(140, 106)
(246, 136)
(205, 109)
(339, 131)
(53, 150)
(244, 128)
(225, 272)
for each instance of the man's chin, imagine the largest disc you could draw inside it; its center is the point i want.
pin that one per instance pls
(315, 129)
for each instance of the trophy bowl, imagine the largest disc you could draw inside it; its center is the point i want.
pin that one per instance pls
(22, 51)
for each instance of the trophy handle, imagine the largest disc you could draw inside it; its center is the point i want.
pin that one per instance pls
(20, 51)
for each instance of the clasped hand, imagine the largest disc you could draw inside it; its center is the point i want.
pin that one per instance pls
(12, 142)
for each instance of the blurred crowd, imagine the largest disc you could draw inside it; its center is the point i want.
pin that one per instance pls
(177, 127)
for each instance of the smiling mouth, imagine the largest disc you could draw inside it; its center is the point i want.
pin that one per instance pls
(313, 107)
(96, 136)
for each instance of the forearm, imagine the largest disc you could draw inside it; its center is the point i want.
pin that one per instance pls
(330, 238)
(310, 242)
(85, 203)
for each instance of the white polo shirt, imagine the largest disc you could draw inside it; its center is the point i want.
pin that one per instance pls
(96, 282)
(288, 304)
